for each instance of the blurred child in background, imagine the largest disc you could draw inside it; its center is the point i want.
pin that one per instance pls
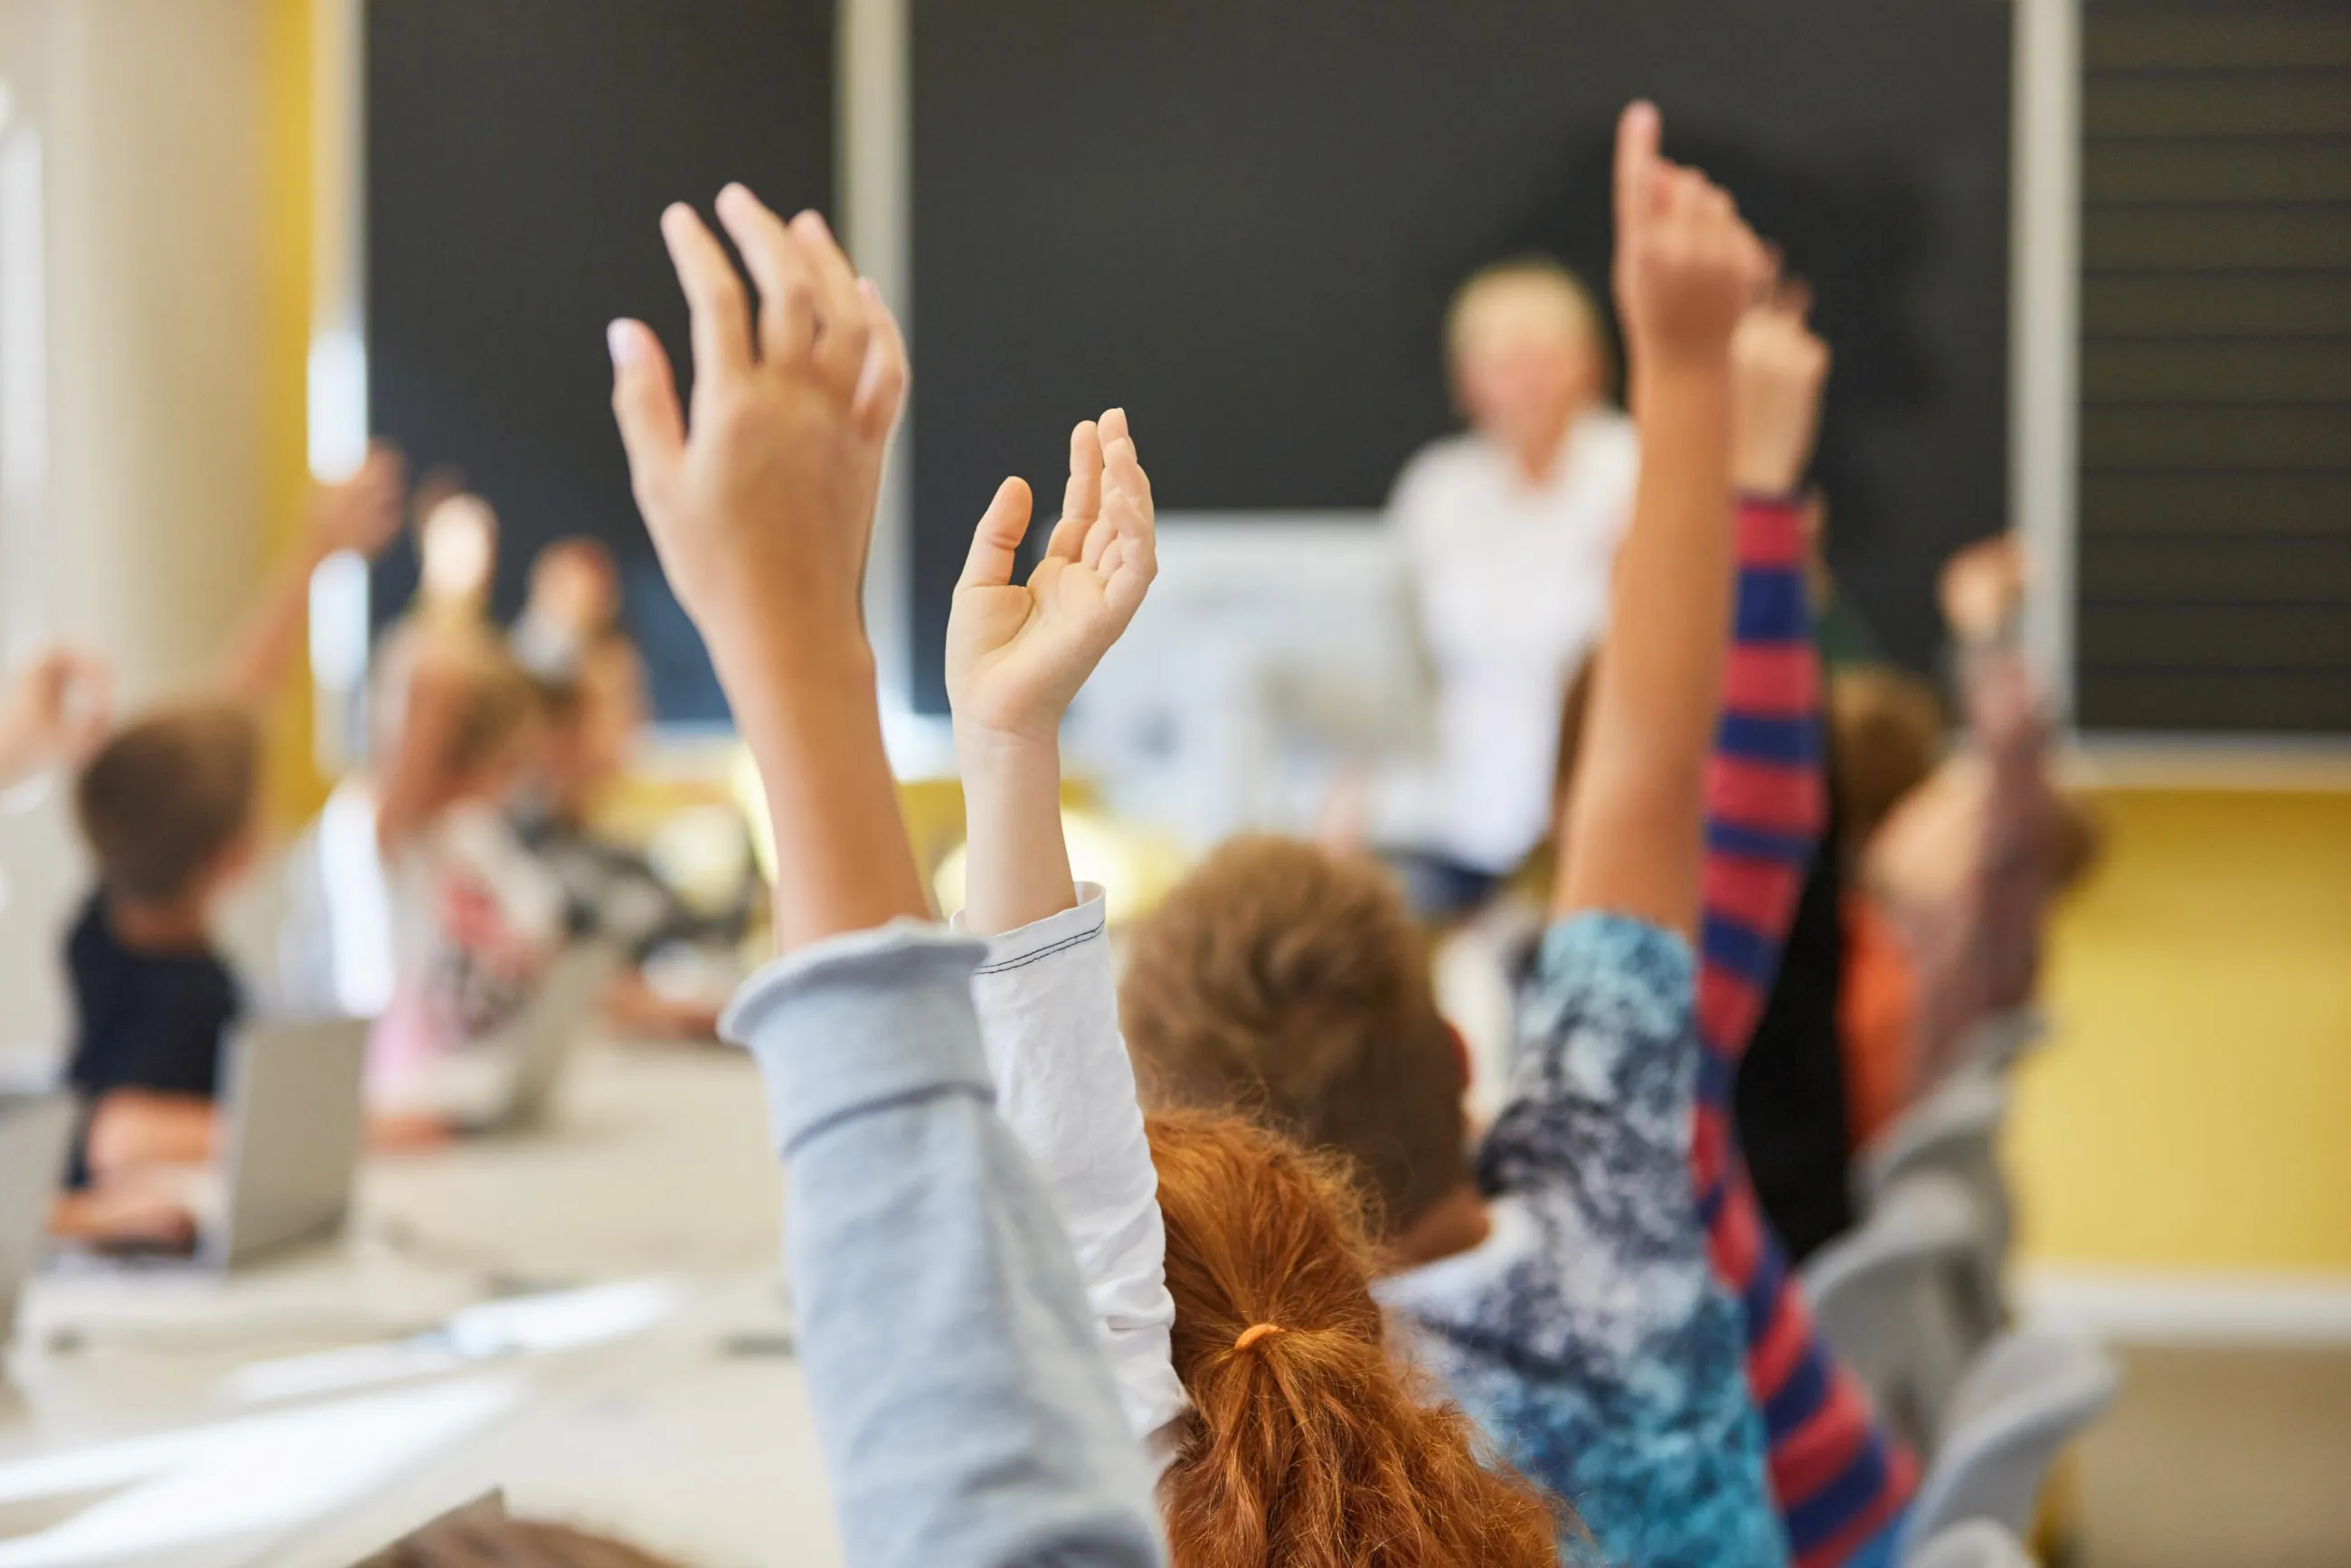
(593, 680)
(475, 919)
(171, 809)
(1966, 863)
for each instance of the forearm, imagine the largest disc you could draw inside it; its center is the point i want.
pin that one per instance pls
(272, 635)
(1765, 799)
(1016, 861)
(1632, 826)
(135, 1127)
(808, 714)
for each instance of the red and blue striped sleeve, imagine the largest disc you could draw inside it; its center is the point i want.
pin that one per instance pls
(1840, 1481)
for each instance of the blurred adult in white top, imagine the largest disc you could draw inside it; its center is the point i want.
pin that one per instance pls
(1510, 528)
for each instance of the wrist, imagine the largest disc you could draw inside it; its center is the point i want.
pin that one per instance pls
(780, 681)
(1768, 481)
(1670, 362)
(988, 751)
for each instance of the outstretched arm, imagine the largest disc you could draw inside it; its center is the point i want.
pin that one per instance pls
(761, 519)
(360, 514)
(958, 1387)
(1686, 270)
(1017, 653)
(1765, 799)
(1048, 998)
(55, 711)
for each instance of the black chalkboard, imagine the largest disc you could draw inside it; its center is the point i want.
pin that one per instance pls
(518, 155)
(1242, 220)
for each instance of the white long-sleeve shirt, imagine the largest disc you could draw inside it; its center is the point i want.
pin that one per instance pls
(1047, 1004)
(1512, 583)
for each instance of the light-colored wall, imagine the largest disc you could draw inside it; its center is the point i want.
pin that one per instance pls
(159, 506)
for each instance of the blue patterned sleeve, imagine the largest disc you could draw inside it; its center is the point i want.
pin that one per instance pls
(1629, 1392)
(1604, 1081)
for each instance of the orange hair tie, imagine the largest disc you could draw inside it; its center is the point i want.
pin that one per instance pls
(1257, 1331)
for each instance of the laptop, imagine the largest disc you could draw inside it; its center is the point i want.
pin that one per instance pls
(35, 1130)
(292, 1126)
(553, 1024)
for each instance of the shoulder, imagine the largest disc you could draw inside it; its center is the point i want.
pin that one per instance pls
(91, 938)
(1444, 466)
(1635, 978)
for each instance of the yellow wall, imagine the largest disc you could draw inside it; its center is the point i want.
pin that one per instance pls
(2194, 1108)
(296, 787)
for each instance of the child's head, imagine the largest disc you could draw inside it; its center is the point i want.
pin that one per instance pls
(1524, 344)
(1886, 735)
(1310, 1444)
(497, 726)
(169, 803)
(576, 584)
(1289, 983)
(595, 719)
(476, 719)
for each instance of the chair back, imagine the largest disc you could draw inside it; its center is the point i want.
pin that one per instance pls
(1896, 1298)
(1978, 1543)
(2027, 1395)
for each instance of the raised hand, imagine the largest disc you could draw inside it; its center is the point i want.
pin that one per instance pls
(55, 711)
(1981, 587)
(364, 512)
(1018, 652)
(1778, 368)
(761, 512)
(1686, 268)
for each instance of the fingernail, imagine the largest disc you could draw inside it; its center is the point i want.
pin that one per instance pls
(815, 220)
(621, 337)
(733, 191)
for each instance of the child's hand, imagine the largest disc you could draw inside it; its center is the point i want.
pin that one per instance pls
(364, 512)
(1980, 588)
(56, 710)
(1686, 267)
(1777, 370)
(1017, 653)
(762, 513)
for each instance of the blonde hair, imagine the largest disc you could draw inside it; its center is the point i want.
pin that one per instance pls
(1531, 292)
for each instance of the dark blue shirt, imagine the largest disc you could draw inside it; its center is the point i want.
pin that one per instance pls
(151, 1021)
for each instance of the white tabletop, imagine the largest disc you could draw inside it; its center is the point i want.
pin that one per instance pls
(289, 1417)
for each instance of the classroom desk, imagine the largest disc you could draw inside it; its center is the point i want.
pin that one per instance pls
(689, 1434)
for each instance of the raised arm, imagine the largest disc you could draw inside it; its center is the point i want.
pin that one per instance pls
(1047, 994)
(1765, 799)
(761, 519)
(360, 514)
(1017, 655)
(54, 711)
(1686, 270)
(960, 1394)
